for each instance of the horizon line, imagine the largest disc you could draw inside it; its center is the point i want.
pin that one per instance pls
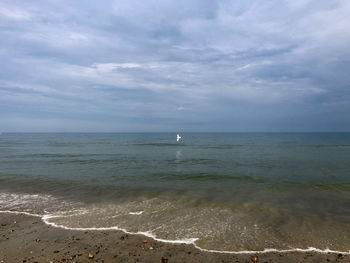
(87, 132)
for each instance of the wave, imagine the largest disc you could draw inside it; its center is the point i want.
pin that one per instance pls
(189, 241)
(160, 144)
(58, 155)
(213, 177)
(345, 146)
(224, 146)
(326, 186)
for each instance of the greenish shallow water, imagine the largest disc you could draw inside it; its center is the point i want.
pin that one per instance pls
(231, 191)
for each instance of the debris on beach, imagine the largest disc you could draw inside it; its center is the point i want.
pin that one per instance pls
(255, 259)
(164, 260)
(132, 253)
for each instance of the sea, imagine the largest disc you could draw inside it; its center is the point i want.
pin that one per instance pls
(222, 192)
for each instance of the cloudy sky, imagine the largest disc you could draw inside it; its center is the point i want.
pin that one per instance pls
(184, 65)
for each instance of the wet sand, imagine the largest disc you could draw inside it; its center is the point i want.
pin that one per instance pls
(25, 238)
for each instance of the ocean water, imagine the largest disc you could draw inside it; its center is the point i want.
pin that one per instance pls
(219, 191)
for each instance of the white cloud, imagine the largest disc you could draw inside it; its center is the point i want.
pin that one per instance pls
(109, 67)
(78, 36)
(15, 13)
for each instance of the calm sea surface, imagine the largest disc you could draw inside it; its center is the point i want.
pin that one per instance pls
(226, 191)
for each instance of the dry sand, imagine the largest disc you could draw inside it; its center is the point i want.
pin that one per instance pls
(26, 238)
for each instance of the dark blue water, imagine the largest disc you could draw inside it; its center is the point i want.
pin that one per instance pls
(232, 191)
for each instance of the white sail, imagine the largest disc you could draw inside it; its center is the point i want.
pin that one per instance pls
(178, 137)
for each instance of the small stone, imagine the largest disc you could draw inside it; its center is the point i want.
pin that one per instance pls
(144, 241)
(3, 225)
(91, 256)
(15, 222)
(37, 240)
(150, 248)
(56, 251)
(164, 260)
(255, 259)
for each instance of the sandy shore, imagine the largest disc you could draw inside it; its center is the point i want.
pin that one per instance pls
(26, 238)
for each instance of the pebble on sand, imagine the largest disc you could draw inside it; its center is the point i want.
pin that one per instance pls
(91, 256)
(255, 259)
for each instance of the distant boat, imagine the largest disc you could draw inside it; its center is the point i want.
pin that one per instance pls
(178, 137)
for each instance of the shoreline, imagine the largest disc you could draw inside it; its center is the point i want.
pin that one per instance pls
(58, 244)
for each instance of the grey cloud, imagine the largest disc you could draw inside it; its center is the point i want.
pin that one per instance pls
(193, 65)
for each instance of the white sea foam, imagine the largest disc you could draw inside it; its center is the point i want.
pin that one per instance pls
(19, 213)
(136, 213)
(190, 241)
(269, 250)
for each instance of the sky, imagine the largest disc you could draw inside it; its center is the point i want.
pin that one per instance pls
(170, 66)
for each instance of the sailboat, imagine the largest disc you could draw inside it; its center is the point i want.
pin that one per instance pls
(178, 137)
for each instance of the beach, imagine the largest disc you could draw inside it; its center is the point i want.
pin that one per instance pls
(25, 238)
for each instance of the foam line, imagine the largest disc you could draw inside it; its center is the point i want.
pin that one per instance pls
(136, 213)
(189, 241)
(19, 213)
(269, 250)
